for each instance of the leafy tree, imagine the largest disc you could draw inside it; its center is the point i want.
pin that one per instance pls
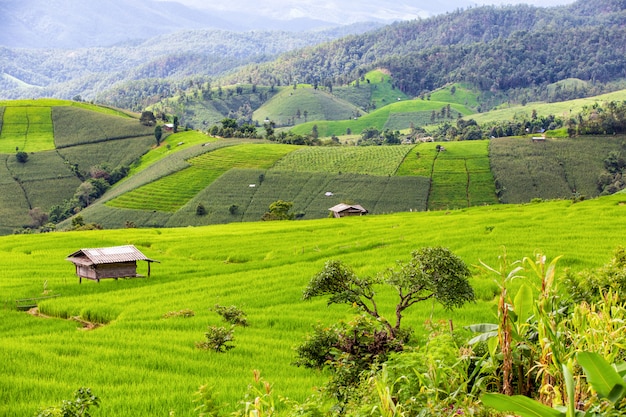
(158, 134)
(279, 210)
(200, 210)
(147, 118)
(350, 349)
(432, 272)
(21, 157)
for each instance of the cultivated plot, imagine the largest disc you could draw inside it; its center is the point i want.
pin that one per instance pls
(27, 129)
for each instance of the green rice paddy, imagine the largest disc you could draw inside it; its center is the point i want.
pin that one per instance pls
(142, 364)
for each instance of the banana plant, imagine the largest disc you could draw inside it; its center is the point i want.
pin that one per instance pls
(605, 379)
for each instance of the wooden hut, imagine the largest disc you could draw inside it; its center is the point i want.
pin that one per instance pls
(343, 210)
(113, 262)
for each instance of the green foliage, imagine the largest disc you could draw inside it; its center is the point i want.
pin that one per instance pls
(279, 210)
(432, 272)
(218, 339)
(208, 406)
(348, 350)
(608, 384)
(232, 314)
(21, 157)
(590, 286)
(79, 407)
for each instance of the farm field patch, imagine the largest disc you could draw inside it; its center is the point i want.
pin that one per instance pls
(171, 192)
(370, 160)
(28, 129)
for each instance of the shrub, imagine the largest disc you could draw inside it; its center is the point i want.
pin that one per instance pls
(232, 315)
(181, 313)
(79, 407)
(21, 157)
(217, 339)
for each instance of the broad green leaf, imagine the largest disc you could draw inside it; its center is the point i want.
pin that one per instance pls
(570, 388)
(482, 337)
(524, 303)
(520, 405)
(601, 375)
(483, 327)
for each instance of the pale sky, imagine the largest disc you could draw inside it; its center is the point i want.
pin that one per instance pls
(349, 11)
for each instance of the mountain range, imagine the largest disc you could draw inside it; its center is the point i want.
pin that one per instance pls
(78, 24)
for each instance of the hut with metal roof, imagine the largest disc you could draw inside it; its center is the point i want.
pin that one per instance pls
(112, 262)
(342, 210)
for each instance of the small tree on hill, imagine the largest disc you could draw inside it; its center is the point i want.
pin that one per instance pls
(158, 134)
(21, 157)
(279, 210)
(147, 118)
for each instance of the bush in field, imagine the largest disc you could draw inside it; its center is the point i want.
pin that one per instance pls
(232, 315)
(217, 339)
(201, 210)
(21, 157)
(279, 210)
(79, 407)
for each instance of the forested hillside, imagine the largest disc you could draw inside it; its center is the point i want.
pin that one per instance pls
(158, 66)
(512, 51)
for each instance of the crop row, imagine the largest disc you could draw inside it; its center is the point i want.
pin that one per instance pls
(357, 160)
(74, 126)
(552, 169)
(171, 192)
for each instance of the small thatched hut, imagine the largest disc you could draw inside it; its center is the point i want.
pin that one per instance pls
(113, 262)
(342, 210)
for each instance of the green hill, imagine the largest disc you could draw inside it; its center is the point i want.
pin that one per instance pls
(395, 116)
(64, 141)
(140, 360)
(293, 106)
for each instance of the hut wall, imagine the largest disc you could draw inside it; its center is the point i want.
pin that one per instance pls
(118, 270)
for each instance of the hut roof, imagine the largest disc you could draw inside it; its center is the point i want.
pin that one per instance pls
(114, 254)
(343, 207)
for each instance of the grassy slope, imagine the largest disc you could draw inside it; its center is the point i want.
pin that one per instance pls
(378, 118)
(376, 87)
(564, 109)
(141, 364)
(319, 105)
